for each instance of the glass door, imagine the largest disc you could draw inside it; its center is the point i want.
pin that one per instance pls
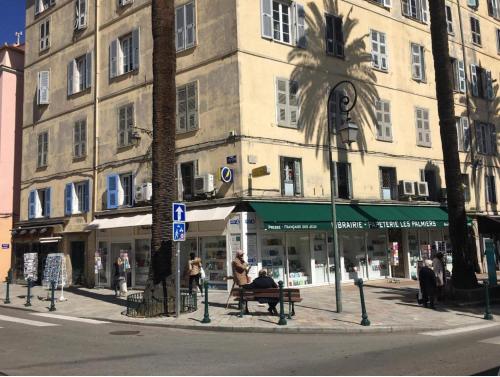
(123, 250)
(353, 246)
(103, 270)
(377, 255)
(320, 259)
(142, 261)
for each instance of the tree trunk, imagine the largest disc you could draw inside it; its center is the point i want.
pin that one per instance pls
(164, 183)
(463, 274)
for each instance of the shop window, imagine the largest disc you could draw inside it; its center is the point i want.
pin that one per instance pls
(291, 176)
(388, 183)
(273, 256)
(214, 257)
(344, 180)
(299, 259)
(188, 171)
(142, 262)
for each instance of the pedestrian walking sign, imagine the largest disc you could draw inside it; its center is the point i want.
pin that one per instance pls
(179, 232)
(179, 212)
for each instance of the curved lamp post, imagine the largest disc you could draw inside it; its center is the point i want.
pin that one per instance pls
(348, 134)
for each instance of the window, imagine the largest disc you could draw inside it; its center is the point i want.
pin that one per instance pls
(287, 103)
(383, 112)
(334, 36)
(185, 26)
(80, 74)
(449, 20)
(42, 95)
(122, 3)
(188, 171)
(481, 83)
(42, 5)
(43, 149)
(385, 3)
(81, 12)
(486, 138)
(430, 176)
(45, 34)
(475, 31)
(388, 183)
(344, 181)
(120, 190)
(291, 176)
(124, 54)
(80, 139)
(494, 8)
(465, 186)
(76, 198)
(423, 129)
(284, 21)
(336, 114)
(473, 3)
(125, 125)
(458, 70)
(187, 108)
(39, 203)
(491, 191)
(417, 62)
(416, 9)
(379, 50)
(498, 41)
(463, 134)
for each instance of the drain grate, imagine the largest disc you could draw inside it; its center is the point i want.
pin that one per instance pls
(124, 332)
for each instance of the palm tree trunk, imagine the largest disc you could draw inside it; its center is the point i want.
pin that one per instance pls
(463, 266)
(164, 183)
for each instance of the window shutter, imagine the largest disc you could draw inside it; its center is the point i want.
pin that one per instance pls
(461, 76)
(113, 61)
(190, 25)
(300, 32)
(375, 49)
(464, 122)
(43, 87)
(383, 51)
(494, 142)
(293, 104)
(490, 8)
(68, 199)
(266, 10)
(38, 205)
(281, 101)
(416, 62)
(472, 3)
(330, 43)
(339, 37)
(386, 113)
(88, 70)
(405, 7)
(387, 3)
(182, 109)
(37, 6)
(83, 13)
(473, 77)
(86, 196)
(297, 177)
(31, 204)
(48, 195)
(192, 107)
(112, 197)
(349, 177)
(136, 48)
(420, 126)
(425, 11)
(489, 86)
(83, 138)
(479, 138)
(71, 67)
(282, 175)
(179, 29)
(333, 165)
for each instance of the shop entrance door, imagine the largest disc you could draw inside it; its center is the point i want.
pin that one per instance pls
(354, 250)
(142, 260)
(116, 250)
(397, 257)
(320, 274)
(77, 261)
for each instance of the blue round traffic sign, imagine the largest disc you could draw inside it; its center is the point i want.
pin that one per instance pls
(226, 174)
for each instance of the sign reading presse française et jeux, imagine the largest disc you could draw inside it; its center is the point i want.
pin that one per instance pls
(358, 225)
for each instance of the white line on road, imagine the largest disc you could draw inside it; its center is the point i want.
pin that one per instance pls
(495, 340)
(26, 321)
(459, 330)
(67, 318)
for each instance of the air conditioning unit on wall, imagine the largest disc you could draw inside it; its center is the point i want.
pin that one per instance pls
(422, 189)
(407, 188)
(204, 184)
(143, 192)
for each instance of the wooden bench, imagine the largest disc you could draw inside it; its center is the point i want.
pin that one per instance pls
(243, 295)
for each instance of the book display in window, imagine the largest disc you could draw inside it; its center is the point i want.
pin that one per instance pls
(273, 255)
(214, 261)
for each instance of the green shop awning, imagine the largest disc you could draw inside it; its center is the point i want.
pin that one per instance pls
(317, 216)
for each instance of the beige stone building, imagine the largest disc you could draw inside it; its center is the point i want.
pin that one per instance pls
(252, 86)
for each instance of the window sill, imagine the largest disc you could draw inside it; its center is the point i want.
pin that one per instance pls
(288, 127)
(424, 146)
(420, 81)
(41, 168)
(180, 133)
(477, 44)
(280, 42)
(342, 57)
(123, 148)
(415, 19)
(381, 70)
(385, 140)
(79, 158)
(80, 93)
(379, 5)
(187, 50)
(44, 50)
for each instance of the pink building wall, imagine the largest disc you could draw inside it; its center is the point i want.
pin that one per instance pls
(11, 114)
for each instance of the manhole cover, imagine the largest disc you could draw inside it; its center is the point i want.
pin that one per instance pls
(124, 332)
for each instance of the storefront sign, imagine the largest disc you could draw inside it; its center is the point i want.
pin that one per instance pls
(226, 174)
(231, 159)
(5, 246)
(261, 171)
(357, 225)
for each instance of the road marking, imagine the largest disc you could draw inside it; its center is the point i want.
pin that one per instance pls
(67, 318)
(495, 340)
(26, 321)
(459, 330)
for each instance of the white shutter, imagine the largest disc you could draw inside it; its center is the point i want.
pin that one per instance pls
(190, 25)
(266, 10)
(473, 78)
(405, 7)
(424, 10)
(464, 124)
(416, 62)
(375, 49)
(383, 51)
(43, 87)
(136, 48)
(461, 76)
(113, 61)
(300, 30)
(192, 107)
(387, 3)
(281, 101)
(71, 74)
(179, 29)
(297, 177)
(88, 70)
(38, 205)
(181, 109)
(37, 6)
(489, 86)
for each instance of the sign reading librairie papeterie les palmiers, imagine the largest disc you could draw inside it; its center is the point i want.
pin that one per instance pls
(358, 225)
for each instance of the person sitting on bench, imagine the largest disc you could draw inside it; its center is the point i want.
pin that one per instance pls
(265, 282)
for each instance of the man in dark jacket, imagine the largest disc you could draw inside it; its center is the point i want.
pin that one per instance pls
(265, 282)
(427, 280)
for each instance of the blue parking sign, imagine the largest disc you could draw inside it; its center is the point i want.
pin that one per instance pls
(179, 232)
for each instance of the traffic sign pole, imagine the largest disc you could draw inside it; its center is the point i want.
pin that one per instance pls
(179, 235)
(178, 280)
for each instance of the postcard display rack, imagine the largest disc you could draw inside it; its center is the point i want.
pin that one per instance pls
(297, 275)
(273, 256)
(214, 259)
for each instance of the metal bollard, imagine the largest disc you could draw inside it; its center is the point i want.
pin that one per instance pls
(240, 305)
(282, 320)
(206, 317)
(28, 296)
(7, 291)
(487, 313)
(52, 296)
(364, 321)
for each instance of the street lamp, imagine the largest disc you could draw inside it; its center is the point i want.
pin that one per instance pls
(348, 134)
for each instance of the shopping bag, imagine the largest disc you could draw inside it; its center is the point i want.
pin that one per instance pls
(123, 287)
(202, 273)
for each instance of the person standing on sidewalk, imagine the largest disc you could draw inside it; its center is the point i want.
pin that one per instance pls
(427, 280)
(118, 276)
(240, 269)
(194, 268)
(439, 271)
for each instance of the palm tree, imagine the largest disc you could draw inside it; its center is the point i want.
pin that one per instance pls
(463, 260)
(163, 172)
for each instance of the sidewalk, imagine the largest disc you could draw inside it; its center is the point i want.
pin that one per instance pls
(391, 307)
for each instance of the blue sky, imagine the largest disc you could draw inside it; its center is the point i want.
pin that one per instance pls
(11, 20)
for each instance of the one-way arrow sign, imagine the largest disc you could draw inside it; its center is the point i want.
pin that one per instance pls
(179, 212)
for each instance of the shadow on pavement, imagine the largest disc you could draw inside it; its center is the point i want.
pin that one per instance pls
(490, 372)
(111, 299)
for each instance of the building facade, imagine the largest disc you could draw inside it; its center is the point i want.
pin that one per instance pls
(253, 79)
(11, 115)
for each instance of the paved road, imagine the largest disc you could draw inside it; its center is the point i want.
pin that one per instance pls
(32, 344)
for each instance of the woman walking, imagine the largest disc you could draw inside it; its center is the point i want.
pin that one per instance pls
(118, 276)
(194, 267)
